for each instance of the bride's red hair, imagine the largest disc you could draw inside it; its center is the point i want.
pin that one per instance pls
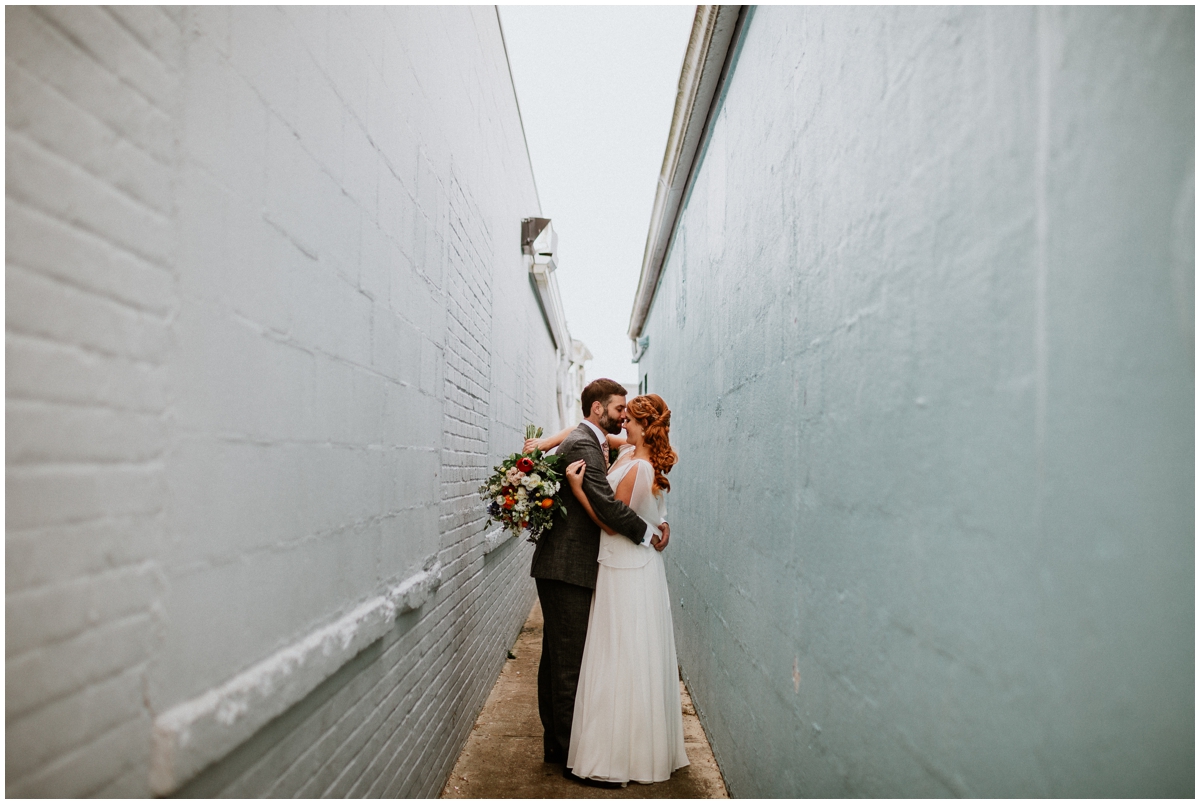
(654, 415)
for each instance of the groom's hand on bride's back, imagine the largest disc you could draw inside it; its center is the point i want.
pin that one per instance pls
(660, 542)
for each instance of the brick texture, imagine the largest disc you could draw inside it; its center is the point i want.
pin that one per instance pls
(268, 326)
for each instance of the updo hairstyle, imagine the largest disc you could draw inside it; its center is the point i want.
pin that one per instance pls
(654, 415)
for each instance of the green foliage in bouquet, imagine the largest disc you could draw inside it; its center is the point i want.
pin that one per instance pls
(523, 491)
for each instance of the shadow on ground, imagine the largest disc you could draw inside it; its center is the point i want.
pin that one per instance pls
(503, 756)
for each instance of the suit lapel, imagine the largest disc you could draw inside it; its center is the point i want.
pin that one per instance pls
(602, 445)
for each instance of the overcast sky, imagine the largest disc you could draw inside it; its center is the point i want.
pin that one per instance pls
(596, 87)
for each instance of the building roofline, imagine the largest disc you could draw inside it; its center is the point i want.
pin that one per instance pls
(713, 31)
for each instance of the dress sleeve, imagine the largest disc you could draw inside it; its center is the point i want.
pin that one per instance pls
(611, 511)
(643, 500)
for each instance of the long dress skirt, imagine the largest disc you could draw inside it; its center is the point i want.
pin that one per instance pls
(628, 722)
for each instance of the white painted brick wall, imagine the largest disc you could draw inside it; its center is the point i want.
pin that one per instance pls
(268, 327)
(89, 298)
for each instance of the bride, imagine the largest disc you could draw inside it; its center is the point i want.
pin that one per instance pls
(628, 721)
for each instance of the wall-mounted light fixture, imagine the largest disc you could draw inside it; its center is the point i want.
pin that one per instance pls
(540, 242)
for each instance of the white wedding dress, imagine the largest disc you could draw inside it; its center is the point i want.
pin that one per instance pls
(628, 722)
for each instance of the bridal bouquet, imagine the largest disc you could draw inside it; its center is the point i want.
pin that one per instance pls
(521, 493)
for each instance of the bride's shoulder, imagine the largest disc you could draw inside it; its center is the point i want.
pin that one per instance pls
(644, 465)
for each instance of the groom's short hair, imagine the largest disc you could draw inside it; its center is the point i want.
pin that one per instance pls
(601, 391)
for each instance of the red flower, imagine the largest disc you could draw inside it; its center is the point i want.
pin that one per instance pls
(525, 465)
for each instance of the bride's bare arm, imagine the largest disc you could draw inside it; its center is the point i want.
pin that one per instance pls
(624, 491)
(546, 443)
(575, 480)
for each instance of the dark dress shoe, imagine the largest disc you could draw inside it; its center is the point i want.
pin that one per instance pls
(590, 782)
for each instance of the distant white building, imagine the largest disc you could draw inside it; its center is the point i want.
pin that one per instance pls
(576, 381)
(268, 327)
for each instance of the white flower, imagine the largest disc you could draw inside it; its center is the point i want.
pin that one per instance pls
(521, 494)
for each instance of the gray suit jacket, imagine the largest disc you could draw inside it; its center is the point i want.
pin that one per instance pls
(568, 551)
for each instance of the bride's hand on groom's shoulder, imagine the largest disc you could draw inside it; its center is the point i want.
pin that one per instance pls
(575, 473)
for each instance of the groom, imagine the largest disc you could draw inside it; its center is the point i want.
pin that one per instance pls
(564, 562)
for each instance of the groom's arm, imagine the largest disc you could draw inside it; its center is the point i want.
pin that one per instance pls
(611, 511)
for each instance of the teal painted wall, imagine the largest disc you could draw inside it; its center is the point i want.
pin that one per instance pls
(926, 327)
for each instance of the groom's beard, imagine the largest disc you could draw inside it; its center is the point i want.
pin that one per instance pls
(608, 425)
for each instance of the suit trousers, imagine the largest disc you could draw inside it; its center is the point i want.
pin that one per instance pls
(565, 610)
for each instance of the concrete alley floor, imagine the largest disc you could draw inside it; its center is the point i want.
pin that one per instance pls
(503, 756)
